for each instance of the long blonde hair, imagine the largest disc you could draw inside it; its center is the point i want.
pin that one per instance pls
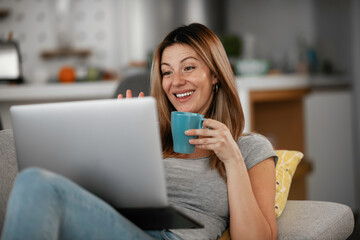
(225, 106)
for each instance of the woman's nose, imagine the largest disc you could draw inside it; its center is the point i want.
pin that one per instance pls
(178, 79)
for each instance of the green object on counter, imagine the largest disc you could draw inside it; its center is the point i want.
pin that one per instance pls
(93, 74)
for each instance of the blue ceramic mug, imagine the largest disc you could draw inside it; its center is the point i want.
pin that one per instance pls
(180, 122)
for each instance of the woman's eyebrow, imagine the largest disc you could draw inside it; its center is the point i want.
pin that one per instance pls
(183, 60)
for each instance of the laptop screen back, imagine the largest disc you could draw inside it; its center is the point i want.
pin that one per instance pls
(110, 147)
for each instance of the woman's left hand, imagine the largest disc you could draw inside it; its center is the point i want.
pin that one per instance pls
(218, 139)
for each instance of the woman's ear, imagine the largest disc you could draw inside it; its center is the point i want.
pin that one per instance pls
(214, 79)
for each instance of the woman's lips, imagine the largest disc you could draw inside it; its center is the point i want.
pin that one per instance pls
(183, 96)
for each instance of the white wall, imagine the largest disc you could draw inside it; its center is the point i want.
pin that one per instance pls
(332, 26)
(276, 26)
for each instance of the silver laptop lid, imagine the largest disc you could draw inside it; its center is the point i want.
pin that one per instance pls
(110, 147)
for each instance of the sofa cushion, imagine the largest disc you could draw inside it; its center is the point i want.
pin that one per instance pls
(8, 169)
(315, 220)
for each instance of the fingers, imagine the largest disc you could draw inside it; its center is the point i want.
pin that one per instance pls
(202, 141)
(211, 123)
(207, 146)
(210, 128)
(128, 93)
(200, 132)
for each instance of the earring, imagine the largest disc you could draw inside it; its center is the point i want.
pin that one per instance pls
(216, 87)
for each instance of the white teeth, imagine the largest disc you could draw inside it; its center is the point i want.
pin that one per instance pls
(184, 94)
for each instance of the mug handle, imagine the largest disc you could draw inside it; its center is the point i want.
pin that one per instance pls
(201, 123)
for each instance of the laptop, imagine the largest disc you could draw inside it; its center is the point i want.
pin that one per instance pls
(110, 147)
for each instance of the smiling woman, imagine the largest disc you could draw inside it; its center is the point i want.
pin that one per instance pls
(192, 73)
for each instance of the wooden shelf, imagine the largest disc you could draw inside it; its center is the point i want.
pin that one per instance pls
(65, 52)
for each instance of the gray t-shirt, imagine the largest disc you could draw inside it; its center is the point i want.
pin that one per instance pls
(201, 193)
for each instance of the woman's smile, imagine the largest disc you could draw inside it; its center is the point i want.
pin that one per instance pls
(184, 94)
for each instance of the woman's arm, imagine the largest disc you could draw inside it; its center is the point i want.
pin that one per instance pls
(251, 193)
(252, 200)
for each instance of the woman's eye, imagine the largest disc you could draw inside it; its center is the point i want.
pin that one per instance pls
(166, 73)
(189, 68)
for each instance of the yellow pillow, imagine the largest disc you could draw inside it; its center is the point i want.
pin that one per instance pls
(285, 169)
(225, 235)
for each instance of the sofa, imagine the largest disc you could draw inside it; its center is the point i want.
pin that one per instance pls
(299, 220)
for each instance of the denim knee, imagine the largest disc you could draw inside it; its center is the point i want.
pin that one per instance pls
(34, 180)
(35, 207)
(33, 174)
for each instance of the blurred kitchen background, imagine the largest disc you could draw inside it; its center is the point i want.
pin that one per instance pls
(310, 43)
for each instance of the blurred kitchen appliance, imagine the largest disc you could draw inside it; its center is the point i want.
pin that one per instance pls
(149, 21)
(64, 23)
(10, 62)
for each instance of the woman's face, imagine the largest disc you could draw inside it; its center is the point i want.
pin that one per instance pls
(187, 80)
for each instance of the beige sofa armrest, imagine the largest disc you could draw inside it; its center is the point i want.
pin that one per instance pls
(315, 220)
(8, 170)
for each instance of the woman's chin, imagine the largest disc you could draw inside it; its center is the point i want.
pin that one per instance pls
(183, 110)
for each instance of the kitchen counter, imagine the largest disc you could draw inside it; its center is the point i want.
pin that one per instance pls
(33, 93)
(57, 91)
(290, 81)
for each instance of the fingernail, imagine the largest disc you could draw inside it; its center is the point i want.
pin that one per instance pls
(187, 132)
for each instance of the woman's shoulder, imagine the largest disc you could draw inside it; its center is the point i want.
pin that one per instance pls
(253, 138)
(255, 147)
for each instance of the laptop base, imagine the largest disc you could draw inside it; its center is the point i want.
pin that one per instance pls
(159, 218)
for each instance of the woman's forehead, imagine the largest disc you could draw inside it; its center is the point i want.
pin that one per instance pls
(178, 51)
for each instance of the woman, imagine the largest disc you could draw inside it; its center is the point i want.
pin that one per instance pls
(229, 181)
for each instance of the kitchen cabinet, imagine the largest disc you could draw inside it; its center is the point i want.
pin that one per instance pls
(279, 115)
(278, 107)
(330, 145)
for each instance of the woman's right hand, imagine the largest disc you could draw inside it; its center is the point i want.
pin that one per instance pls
(129, 94)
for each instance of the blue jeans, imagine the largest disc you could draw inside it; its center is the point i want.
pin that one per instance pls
(44, 205)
